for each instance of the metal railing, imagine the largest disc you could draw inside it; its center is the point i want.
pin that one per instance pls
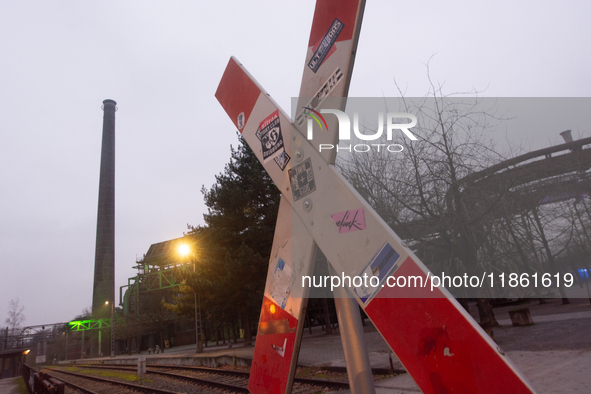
(41, 383)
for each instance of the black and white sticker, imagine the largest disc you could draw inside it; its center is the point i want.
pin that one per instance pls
(269, 133)
(282, 160)
(326, 44)
(321, 94)
(302, 179)
(240, 121)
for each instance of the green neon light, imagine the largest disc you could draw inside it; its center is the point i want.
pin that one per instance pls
(84, 325)
(80, 322)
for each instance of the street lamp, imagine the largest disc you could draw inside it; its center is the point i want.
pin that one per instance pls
(112, 324)
(184, 250)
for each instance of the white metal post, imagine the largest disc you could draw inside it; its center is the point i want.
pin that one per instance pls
(354, 345)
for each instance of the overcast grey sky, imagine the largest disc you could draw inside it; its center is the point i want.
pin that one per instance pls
(162, 61)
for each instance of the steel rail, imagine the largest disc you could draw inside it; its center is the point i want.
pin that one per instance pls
(132, 386)
(205, 382)
(310, 381)
(74, 385)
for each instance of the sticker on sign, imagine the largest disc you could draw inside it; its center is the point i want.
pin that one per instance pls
(302, 180)
(269, 133)
(352, 220)
(324, 47)
(383, 264)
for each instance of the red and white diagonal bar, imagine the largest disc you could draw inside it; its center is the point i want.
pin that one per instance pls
(437, 341)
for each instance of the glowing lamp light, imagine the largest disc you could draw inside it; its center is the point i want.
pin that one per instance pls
(272, 309)
(184, 249)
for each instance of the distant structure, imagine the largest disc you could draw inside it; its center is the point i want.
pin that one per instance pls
(104, 261)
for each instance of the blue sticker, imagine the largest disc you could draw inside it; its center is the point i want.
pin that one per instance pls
(280, 285)
(280, 265)
(381, 266)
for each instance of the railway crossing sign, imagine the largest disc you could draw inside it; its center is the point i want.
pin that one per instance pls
(440, 345)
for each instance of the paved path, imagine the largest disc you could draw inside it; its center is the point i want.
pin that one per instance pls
(9, 386)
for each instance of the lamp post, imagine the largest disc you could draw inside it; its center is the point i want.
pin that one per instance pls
(101, 330)
(112, 332)
(185, 250)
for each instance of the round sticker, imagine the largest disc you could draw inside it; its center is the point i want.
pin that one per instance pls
(240, 121)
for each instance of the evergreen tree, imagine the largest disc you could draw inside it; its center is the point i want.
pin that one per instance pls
(235, 245)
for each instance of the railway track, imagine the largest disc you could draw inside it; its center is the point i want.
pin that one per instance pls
(188, 379)
(89, 384)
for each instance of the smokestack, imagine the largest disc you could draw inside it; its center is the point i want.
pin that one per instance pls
(104, 260)
(567, 136)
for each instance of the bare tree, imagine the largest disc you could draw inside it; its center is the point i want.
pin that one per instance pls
(14, 321)
(15, 315)
(424, 192)
(85, 314)
(541, 230)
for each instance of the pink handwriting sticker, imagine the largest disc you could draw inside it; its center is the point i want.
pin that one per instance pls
(353, 220)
